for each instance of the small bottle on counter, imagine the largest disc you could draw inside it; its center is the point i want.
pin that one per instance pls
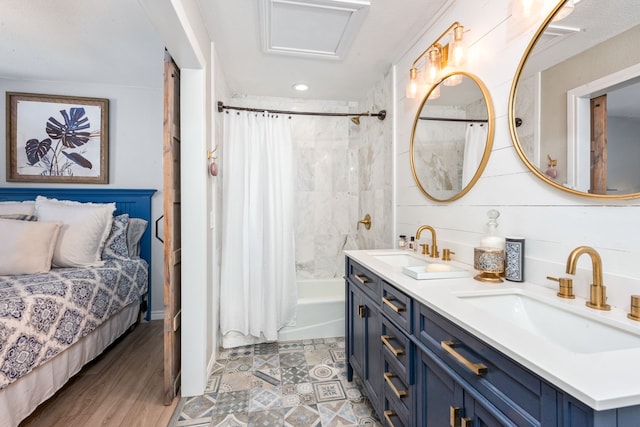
(412, 244)
(402, 241)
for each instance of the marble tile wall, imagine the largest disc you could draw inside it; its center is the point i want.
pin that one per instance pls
(343, 171)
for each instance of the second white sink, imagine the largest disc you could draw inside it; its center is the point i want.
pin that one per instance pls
(563, 326)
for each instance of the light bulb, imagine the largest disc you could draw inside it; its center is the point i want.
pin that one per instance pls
(432, 70)
(456, 48)
(453, 80)
(412, 87)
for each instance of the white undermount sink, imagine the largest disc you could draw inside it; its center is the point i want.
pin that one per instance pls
(570, 327)
(422, 268)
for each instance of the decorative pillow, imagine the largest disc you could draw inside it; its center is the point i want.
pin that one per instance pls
(27, 207)
(84, 231)
(134, 234)
(27, 246)
(20, 217)
(116, 245)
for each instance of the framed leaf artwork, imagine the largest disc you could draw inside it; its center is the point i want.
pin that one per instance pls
(57, 139)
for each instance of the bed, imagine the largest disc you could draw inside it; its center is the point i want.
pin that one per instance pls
(53, 323)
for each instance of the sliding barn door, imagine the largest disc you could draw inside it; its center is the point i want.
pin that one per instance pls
(171, 167)
(599, 145)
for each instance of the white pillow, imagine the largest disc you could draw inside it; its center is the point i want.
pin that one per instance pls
(27, 246)
(85, 229)
(10, 208)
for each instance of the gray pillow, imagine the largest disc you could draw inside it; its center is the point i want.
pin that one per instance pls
(134, 234)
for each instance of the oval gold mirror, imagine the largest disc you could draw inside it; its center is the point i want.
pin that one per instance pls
(573, 110)
(452, 137)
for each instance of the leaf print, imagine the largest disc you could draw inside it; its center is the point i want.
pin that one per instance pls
(36, 150)
(68, 133)
(78, 159)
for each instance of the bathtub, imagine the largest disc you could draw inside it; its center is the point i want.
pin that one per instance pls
(320, 310)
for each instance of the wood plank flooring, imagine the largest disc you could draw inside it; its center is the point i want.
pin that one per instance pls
(121, 387)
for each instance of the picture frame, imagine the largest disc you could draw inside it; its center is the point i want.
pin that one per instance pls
(57, 139)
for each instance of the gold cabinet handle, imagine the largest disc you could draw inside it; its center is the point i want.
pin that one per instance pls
(362, 311)
(399, 393)
(362, 279)
(454, 416)
(393, 306)
(466, 422)
(387, 416)
(395, 351)
(476, 368)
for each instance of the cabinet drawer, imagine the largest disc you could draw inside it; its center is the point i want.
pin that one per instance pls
(397, 306)
(396, 349)
(521, 395)
(364, 279)
(398, 401)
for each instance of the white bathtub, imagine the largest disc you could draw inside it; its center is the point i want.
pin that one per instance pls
(320, 310)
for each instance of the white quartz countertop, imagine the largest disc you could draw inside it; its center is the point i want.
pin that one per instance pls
(601, 380)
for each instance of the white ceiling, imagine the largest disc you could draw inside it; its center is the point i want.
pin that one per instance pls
(86, 41)
(387, 31)
(112, 41)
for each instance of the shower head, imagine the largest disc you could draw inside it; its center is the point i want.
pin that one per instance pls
(356, 120)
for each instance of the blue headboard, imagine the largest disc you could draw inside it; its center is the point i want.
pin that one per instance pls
(137, 203)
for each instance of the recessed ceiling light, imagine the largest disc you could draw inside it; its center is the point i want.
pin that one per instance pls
(300, 87)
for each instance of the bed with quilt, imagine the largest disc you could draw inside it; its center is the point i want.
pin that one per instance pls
(74, 276)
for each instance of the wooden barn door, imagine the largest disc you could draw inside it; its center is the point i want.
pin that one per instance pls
(171, 169)
(599, 145)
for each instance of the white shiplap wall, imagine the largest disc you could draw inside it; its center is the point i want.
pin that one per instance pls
(552, 221)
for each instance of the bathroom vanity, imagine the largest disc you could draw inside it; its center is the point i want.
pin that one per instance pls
(445, 351)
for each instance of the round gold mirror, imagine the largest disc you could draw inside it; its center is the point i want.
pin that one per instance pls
(573, 110)
(452, 137)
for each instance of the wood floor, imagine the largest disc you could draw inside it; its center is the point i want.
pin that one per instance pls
(122, 387)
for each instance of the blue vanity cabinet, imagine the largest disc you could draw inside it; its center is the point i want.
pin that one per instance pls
(363, 331)
(420, 369)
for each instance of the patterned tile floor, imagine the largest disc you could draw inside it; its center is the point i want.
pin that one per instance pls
(289, 384)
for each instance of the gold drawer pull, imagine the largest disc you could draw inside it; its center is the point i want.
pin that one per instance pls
(393, 306)
(362, 279)
(454, 416)
(476, 368)
(387, 416)
(399, 393)
(466, 422)
(395, 351)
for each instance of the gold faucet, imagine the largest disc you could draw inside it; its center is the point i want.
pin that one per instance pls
(598, 294)
(434, 246)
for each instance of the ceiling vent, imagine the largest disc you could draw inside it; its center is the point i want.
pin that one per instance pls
(310, 28)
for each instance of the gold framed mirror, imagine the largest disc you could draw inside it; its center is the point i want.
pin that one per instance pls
(573, 111)
(452, 137)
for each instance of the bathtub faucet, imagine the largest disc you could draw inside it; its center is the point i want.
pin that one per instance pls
(434, 246)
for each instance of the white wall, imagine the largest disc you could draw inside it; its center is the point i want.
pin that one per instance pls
(135, 145)
(552, 221)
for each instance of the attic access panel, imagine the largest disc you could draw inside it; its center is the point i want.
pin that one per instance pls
(310, 28)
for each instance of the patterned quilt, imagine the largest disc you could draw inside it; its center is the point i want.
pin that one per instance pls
(43, 314)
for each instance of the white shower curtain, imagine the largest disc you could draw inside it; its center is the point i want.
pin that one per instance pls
(474, 143)
(258, 290)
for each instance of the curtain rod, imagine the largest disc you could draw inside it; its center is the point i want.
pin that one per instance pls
(381, 115)
(444, 119)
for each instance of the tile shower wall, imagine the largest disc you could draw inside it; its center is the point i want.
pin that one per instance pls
(337, 169)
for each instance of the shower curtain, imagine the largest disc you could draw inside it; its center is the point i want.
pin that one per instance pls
(258, 290)
(474, 143)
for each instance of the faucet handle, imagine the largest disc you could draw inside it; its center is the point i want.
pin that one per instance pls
(425, 248)
(566, 287)
(446, 254)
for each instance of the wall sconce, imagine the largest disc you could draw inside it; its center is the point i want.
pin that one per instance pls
(438, 58)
